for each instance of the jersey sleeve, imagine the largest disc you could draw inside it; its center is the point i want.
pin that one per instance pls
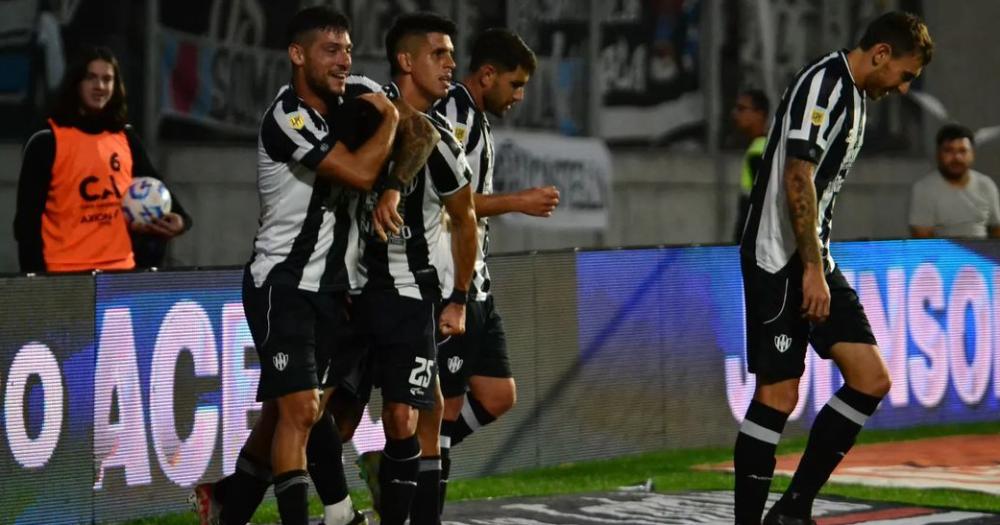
(449, 169)
(289, 133)
(812, 114)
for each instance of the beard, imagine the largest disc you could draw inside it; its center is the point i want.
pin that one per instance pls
(953, 171)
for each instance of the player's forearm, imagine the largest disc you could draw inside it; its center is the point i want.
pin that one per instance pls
(463, 247)
(802, 206)
(498, 203)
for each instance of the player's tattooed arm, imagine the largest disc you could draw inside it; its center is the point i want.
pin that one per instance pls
(802, 206)
(416, 138)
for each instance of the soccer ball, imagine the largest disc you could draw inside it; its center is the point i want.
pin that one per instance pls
(146, 200)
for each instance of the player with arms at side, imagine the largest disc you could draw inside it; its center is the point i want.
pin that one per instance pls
(476, 377)
(794, 292)
(402, 286)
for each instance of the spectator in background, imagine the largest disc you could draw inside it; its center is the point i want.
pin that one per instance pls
(750, 114)
(955, 200)
(69, 214)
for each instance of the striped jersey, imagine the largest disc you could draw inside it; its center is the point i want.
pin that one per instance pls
(472, 129)
(821, 119)
(306, 237)
(412, 262)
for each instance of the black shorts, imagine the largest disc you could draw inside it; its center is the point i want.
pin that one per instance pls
(294, 332)
(776, 331)
(350, 369)
(480, 351)
(400, 335)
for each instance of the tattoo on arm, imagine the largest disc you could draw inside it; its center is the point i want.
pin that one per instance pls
(415, 140)
(802, 207)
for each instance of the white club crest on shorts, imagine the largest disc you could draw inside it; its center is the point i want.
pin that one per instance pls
(454, 364)
(782, 342)
(280, 361)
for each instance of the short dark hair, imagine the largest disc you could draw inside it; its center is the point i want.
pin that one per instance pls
(758, 99)
(950, 132)
(420, 23)
(905, 32)
(66, 108)
(315, 18)
(503, 49)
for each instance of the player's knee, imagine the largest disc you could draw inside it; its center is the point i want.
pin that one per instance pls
(400, 420)
(781, 397)
(300, 411)
(500, 401)
(880, 385)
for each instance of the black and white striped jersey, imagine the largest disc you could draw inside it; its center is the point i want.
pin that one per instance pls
(821, 119)
(412, 262)
(472, 129)
(306, 236)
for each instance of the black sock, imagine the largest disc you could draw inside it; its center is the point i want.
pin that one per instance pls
(292, 492)
(445, 466)
(326, 465)
(832, 435)
(243, 490)
(397, 476)
(753, 457)
(473, 417)
(426, 509)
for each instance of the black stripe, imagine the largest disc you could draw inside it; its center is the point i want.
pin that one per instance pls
(485, 158)
(335, 275)
(445, 179)
(417, 251)
(830, 80)
(278, 145)
(290, 270)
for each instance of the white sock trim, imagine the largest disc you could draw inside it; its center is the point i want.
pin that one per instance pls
(847, 410)
(758, 432)
(469, 416)
(445, 441)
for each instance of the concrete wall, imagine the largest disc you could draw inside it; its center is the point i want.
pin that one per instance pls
(659, 198)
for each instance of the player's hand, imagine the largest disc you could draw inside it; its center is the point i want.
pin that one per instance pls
(815, 294)
(168, 226)
(385, 217)
(540, 202)
(382, 104)
(452, 320)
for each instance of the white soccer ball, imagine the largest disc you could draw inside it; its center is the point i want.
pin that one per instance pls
(146, 200)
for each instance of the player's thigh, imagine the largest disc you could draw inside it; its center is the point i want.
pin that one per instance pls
(288, 343)
(401, 336)
(777, 334)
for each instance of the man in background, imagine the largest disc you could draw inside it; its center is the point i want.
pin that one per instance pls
(955, 200)
(750, 118)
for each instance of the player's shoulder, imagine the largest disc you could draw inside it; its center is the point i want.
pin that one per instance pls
(440, 122)
(359, 85)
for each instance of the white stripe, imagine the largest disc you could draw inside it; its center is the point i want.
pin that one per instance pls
(847, 410)
(804, 127)
(760, 433)
(445, 441)
(288, 483)
(832, 103)
(469, 416)
(430, 464)
(267, 335)
(784, 299)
